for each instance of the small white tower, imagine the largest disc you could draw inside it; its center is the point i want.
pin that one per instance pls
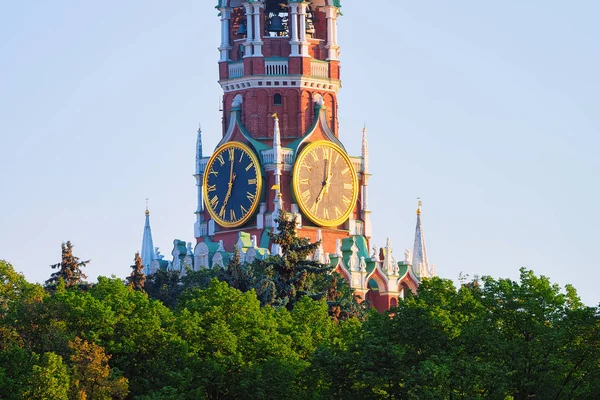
(366, 214)
(420, 264)
(147, 252)
(199, 182)
(278, 200)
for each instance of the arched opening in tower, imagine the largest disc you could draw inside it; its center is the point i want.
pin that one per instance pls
(374, 297)
(277, 18)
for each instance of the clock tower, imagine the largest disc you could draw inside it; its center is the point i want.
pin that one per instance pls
(281, 148)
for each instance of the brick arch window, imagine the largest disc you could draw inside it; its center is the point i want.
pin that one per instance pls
(277, 99)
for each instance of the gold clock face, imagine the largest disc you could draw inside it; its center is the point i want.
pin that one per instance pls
(232, 184)
(325, 183)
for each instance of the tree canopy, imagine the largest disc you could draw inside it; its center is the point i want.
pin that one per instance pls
(494, 338)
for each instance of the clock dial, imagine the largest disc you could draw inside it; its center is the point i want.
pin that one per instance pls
(232, 184)
(325, 183)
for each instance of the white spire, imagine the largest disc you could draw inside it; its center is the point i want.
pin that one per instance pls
(365, 150)
(198, 149)
(278, 201)
(366, 214)
(198, 175)
(147, 252)
(420, 264)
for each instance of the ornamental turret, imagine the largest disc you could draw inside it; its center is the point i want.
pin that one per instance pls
(420, 263)
(148, 251)
(366, 213)
(278, 200)
(199, 226)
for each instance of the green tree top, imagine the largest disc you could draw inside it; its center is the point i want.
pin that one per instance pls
(69, 269)
(137, 278)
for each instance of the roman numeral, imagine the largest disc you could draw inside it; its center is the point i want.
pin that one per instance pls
(250, 196)
(313, 208)
(303, 181)
(222, 212)
(249, 166)
(337, 157)
(241, 156)
(314, 155)
(212, 188)
(325, 213)
(327, 153)
(221, 159)
(347, 186)
(231, 152)
(252, 181)
(346, 200)
(214, 201)
(345, 171)
(213, 172)
(244, 211)
(338, 213)
(232, 215)
(305, 195)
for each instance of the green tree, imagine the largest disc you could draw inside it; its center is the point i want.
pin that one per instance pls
(92, 377)
(164, 286)
(137, 278)
(142, 339)
(282, 280)
(69, 269)
(16, 363)
(499, 340)
(294, 272)
(49, 379)
(543, 337)
(239, 351)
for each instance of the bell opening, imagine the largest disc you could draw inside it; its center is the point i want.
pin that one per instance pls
(276, 18)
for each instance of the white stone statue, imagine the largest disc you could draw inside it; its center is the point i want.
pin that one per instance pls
(407, 256)
(318, 99)
(158, 255)
(237, 101)
(374, 255)
(363, 265)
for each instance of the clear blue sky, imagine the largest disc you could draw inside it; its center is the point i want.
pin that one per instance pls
(486, 110)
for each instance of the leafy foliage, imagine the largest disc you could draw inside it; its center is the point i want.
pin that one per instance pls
(497, 339)
(164, 286)
(283, 280)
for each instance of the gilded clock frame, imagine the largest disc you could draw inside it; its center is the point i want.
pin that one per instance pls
(295, 184)
(259, 178)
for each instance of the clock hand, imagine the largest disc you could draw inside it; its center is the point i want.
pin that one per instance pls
(228, 195)
(325, 182)
(328, 183)
(320, 195)
(231, 173)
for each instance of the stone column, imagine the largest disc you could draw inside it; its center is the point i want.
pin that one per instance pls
(257, 29)
(250, 30)
(331, 14)
(294, 42)
(224, 48)
(302, 27)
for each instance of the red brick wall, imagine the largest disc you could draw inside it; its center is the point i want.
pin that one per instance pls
(296, 114)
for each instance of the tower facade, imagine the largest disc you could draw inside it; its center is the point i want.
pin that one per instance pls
(280, 149)
(280, 75)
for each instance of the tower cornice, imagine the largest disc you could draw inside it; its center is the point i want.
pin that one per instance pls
(280, 82)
